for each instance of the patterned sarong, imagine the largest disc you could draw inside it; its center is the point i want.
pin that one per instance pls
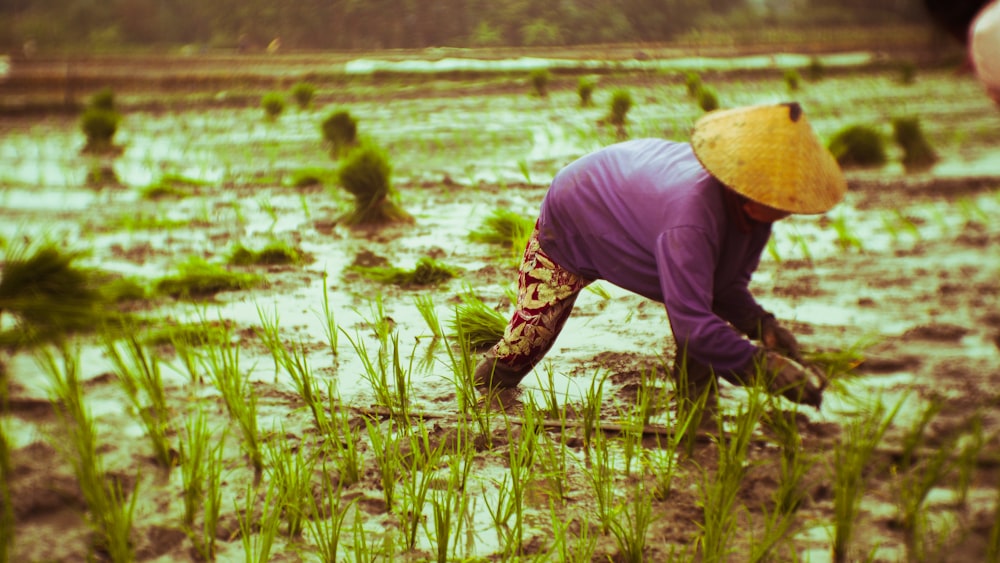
(545, 296)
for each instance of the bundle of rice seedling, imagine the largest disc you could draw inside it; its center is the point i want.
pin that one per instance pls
(426, 272)
(917, 152)
(366, 173)
(478, 324)
(858, 145)
(505, 228)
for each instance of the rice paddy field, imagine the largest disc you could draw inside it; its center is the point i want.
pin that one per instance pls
(229, 370)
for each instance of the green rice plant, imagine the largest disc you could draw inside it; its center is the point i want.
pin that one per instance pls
(99, 127)
(385, 373)
(425, 306)
(917, 151)
(553, 457)
(522, 165)
(590, 411)
(719, 492)
(792, 79)
(708, 99)
(845, 237)
(521, 457)
(363, 547)
(601, 475)
(968, 457)
(621, 103)
(48, 294)
(450, 503)
(329, 319)
(692, 405)
(581, 550)
(290, 471)
(972, 212)
(388, 459)
(599, 290)
(344, 439)
(303, 93)
(858, 145)
(197, 278)
(415, 489)
(194, 450)
(426, 272)
(505, 228)
(296, 365)
(540, 78)
(663, 462)
(478, 325)
(172, 186)
(340, 131)
(311, 177)
(463, 362)
(913, 438)
(631, 525)
(138, 374)
(366, 174)
(816, 69)
(273, 104)
(772, 250)
(693, 83)
(274, 253)
(212, 506)
(223, 366)
(326, 519)
(258, 530)
(585, 90)
(108, 514)
(851, 456)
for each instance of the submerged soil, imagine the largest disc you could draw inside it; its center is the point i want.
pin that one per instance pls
(903, 277)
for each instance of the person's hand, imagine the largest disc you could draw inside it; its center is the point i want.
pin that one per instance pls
(778, 338)
(792, 380)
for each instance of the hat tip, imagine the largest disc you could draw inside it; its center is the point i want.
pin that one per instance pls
(794, 111)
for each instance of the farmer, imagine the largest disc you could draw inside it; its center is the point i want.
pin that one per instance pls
(976, 25)
(683, 224)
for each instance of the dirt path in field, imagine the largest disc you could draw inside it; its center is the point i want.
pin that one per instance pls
(902, 282)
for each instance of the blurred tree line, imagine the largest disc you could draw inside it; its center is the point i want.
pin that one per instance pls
(367, 24)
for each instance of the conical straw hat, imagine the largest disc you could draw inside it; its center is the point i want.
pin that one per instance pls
(770, 155)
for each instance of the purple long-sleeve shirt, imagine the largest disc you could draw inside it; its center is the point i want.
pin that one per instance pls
(647, 217)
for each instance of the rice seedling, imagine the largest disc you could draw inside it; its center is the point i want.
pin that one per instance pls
(553, 462)
(632, 522)
(621, 104)
(427, 272)
(969, 449)
(478, 325)
(585, 91)
(708, 99)
(194, 450)
(593, 400)
(971, 211)
(663, 462)
(99, 126)
(48, 294)
(462, 365)
(858, 441)
(386, 447)
(601, 475)
(387, 364)
(845, 237)
(108, 514)
(197, 278)
(172, 186)
(450, 504)
(540, 78)
(581, 550)
(223, 365)
(258, 529)
(772, 250)
(138, 374)
(312, 177)
(917, 151)
(273, 104)
(326, 519)
(366, 174)
(792, 79)
(349, 461)
(329, 319)
(719, 492)
(290, 470)
(522, 165)
(340, 131)
(275, 253)
(599, 290)
(692, 404)
(858, 145)
(212, 507)
(425, 306)
(363, 547)
(415, 490)
(303, 93)
(693, 83)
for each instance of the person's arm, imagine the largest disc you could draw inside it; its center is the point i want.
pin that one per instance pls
(686, 259)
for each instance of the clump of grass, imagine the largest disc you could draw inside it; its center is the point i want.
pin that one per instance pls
(858, 145)
(708, 100)
(792, 79)
(303, 93)
(621, 103)
(505, 228)
(99, 123)
(693, 83)
(366, 174)
(309, 177)
(917, 151)
(540, 81)
(585, 90)
(198, 278)
(172, 186)
(273, 104)
(427, 272)
(476, 323)
(816, 69)
(340, 130)
(275, 253)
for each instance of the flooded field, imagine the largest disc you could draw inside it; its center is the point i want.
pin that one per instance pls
(897, 287)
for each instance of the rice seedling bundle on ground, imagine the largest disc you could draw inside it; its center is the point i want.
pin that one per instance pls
(366, 174)
(917, 151)
(427, 271)
(340, 130)
(99, 123)
(585, 90)
(304, 92)
(198, 278)
(478, 324)
(858, 145)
